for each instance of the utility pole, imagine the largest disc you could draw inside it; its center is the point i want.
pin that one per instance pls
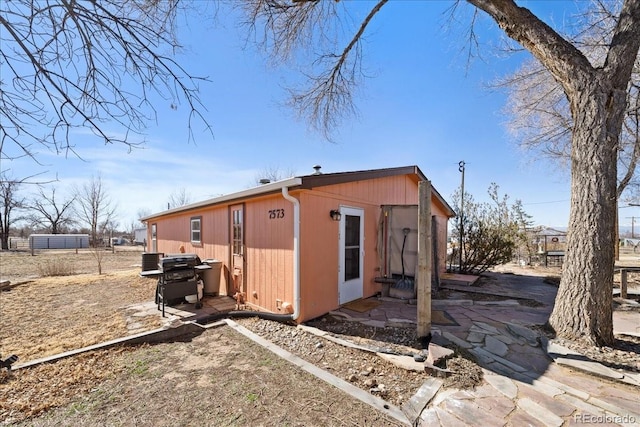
(461, 169)
(633, 221)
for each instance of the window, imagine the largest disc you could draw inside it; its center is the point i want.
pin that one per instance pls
(196, 229)
(154, 237)
(237, 232)
(352, 247)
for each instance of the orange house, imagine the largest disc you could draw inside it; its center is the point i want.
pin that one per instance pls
(301, 246)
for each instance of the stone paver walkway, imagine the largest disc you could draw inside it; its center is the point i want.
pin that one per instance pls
(528, 380)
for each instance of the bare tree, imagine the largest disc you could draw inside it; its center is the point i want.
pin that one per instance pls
(49, 213)
(67, 64)
(179, 198)
(597, 96)
(94, 208)
(10, 203)
(538, 111)
(142, 212)
(273, 173)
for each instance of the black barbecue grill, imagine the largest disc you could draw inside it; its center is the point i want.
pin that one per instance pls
(178, 279)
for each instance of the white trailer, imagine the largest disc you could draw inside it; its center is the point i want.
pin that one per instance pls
(140, 236)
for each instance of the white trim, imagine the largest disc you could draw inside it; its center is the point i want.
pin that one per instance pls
(359, 282)
(266, 188)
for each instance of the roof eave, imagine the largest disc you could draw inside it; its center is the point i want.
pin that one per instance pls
(264, 189)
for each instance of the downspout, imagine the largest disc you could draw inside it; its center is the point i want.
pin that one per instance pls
(296, 252)
(296, 278)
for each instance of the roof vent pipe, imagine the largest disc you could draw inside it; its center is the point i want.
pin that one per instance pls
(317, 170)
(264, 181)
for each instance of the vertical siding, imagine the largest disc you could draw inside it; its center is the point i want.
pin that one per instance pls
(176, 230)
(396, 190)
(269, 252)
(268, 230)
(268, 247)
(319, 236)
(318, 255)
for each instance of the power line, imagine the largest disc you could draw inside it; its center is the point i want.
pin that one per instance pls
(545, 203)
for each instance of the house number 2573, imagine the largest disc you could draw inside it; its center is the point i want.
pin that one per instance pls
(276, 213)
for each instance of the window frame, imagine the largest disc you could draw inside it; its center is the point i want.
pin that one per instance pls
(193, 220)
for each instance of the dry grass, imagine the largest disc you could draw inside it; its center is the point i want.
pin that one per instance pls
(30, 392)
(218, 377)
(52, 268)
(51, 315)
(42, 316)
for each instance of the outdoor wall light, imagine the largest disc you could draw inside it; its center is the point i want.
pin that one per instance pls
(335, 214)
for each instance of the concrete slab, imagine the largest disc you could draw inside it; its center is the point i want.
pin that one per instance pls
(626, 322)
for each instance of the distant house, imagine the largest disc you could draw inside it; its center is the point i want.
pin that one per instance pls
(550, 240)
(308, 244)
(551, 246)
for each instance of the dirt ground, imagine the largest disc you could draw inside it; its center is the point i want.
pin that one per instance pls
(217, 377)
(221, 376)
(42, 316)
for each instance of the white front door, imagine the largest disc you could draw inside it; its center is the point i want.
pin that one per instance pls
(350, 283)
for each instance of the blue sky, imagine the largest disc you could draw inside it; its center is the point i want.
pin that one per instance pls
(424, 105)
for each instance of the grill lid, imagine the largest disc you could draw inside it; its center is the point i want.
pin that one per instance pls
(172, 262)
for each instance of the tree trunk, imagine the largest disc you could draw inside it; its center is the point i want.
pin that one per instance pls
(597, 96)
(583, 308)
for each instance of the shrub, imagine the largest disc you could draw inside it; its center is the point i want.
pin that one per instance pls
(55, 267)
(492, 231)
